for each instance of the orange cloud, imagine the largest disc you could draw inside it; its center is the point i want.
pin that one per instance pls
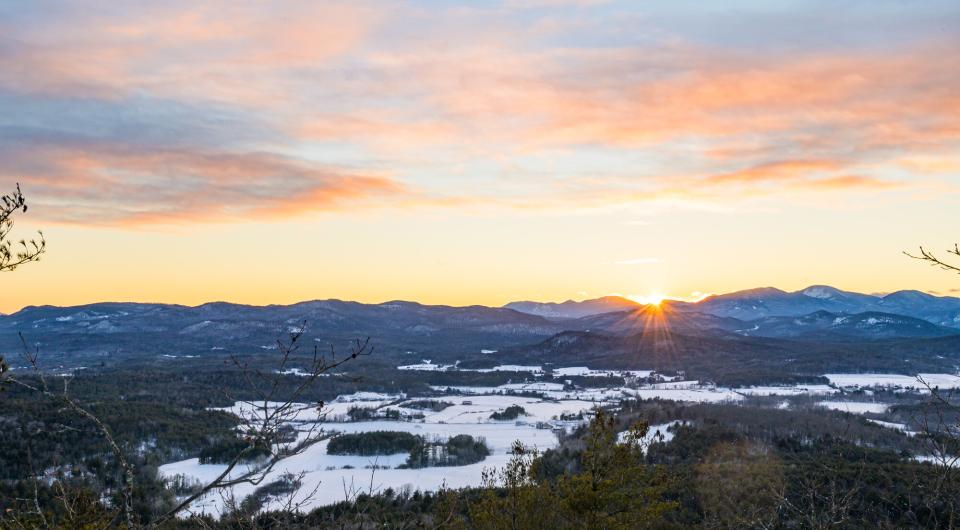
(218, 50)
(777, 171)
(106, 185)
(436, 94)
(848, 182)
(930, 163)
(876, 100)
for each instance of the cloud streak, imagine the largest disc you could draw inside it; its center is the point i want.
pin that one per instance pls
(108, 185)
(232, 111)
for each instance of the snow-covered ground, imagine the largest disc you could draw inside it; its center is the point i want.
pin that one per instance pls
(507, 368)
(893, 380)
(584, 371)
(941, 460)
(335, 483)
(304, 412)
(339, 475)
(503, 389)
(682, 391)
(855, 407)
(662, 433)
(427, 366)
(890, 425)
(299, 372)
(797, 390)
(697, 395)
(477, 409)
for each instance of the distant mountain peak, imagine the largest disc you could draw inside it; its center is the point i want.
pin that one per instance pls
(574, 309)
(821, 291)
(613, 298)
(909, 294)
(756, 292)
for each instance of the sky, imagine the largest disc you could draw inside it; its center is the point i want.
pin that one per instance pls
(477, 152)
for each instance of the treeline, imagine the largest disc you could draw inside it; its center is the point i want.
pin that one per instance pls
(373, 443)
(432, 405)
(770, 424)
(208, 384)
(510, 413)
(371, 414)
(227, 449)
(460, 450)
(38, 436)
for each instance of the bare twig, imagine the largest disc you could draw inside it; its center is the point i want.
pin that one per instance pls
(264, 424)
(31, 356)
(929, 257)
(265, 419)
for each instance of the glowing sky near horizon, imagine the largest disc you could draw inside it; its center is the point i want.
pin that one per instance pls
(477, 152)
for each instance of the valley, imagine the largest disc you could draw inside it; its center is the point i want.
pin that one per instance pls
(491, 377)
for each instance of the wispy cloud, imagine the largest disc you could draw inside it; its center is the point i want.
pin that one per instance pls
(107, 184)
(231, 110)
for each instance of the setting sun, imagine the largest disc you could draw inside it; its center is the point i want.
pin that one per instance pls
(648, 299)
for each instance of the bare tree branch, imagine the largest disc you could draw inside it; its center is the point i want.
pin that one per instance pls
(264, 421)
(31, 356)
(929, 257)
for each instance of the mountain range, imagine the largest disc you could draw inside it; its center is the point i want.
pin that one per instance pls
(744, 321)
(764, 302)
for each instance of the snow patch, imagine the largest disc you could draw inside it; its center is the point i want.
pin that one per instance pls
(855, 407)
(893, 380)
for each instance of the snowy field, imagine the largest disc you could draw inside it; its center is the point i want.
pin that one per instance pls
(428, 365)
(333, 411)
(797, 390)
(855, 407)
(697, 395)
(584, 371)
(536, 370)
(896, 426)
(893, 380)
(338, 477)
(686, 392)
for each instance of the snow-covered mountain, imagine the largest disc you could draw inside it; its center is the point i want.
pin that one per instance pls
(870, 325)
(572, 309)
(818, 313)
(753, 304)
(112, 329)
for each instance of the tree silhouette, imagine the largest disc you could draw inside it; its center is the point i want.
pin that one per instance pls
(16, 253)
(13, 254)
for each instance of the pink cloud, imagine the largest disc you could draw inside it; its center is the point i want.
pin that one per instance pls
(106, 185)
(426, 92)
